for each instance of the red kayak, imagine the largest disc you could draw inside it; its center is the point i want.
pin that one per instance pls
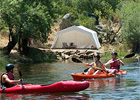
(62, 86)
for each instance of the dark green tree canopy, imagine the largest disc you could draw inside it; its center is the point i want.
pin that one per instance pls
(30, 18)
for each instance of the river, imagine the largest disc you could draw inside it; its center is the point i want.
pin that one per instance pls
(120, 88)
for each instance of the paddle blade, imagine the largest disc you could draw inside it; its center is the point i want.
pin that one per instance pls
(76, 60)
(130, 55)
(86, 69)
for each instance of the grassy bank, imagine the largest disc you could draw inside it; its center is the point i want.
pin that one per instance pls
(121, 49)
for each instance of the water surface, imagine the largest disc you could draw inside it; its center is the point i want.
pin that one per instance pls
(119, 88)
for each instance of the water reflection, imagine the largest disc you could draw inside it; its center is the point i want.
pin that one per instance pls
(72, 96)
(104, 83)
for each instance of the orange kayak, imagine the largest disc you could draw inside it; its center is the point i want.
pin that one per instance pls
(82, 76)
(121, 72)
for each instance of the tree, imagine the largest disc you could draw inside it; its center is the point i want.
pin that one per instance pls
(100, 8)
(130, 17)
(26, 19)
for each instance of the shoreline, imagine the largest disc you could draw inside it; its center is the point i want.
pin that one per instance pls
(42, 53)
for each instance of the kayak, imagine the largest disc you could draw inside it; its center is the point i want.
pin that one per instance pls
(121, 72)
(82, 76)
(62, 86)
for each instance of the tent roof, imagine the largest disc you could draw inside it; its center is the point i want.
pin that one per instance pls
(77, 28)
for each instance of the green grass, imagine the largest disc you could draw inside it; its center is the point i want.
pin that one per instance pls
(122, 51)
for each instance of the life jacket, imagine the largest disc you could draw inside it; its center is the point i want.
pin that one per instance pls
(114, 64)
(7, 85)
(98, 64)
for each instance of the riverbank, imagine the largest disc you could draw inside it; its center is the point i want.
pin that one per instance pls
(39, 55)
(42, 53)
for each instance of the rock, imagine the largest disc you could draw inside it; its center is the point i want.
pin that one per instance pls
(82, 56)
(66, 22)
(64, 56)
(67, 56)
(76, 56)
(89, 52)
(68, 53)
(77, 51)
(100, 28)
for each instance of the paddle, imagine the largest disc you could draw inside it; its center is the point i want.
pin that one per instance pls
(79, 61)
(20, 74)
(129, 55)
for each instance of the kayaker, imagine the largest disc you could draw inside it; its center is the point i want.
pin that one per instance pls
(114, 63)
(7, 79)
(96, 66)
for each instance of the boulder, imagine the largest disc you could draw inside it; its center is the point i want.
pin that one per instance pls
(65, 22)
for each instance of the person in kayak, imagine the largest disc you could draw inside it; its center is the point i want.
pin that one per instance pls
(95, 66)
(114, 63)
(7, 79)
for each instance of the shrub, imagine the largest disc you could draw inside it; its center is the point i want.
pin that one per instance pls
(130, 19)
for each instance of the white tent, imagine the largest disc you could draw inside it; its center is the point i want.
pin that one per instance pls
(81, 36)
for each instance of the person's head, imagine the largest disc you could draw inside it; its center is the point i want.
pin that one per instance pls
(114, 54)
(9, 67)
(96, 57)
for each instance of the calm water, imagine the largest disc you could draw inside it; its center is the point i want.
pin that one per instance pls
(120, 88)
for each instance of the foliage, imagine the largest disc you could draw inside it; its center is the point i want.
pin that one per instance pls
(28, 18)
(130, 17)
(97, 7)
(3, 60)
(102, 8)
(85, 21)
(80, 8)
(39, 56)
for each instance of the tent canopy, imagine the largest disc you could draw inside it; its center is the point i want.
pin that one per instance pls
(78, 36)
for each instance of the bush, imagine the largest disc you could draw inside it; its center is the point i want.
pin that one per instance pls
(130, 15)
(88, 22)
(3, 60)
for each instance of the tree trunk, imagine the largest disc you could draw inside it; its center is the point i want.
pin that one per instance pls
(25, 48)
(10, 45)
(11, 33)
(136, 47)
(19, 44)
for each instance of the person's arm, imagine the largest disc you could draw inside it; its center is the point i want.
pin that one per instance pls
(121, 62)
(106, 64)
(89, 65)
(11, 81)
